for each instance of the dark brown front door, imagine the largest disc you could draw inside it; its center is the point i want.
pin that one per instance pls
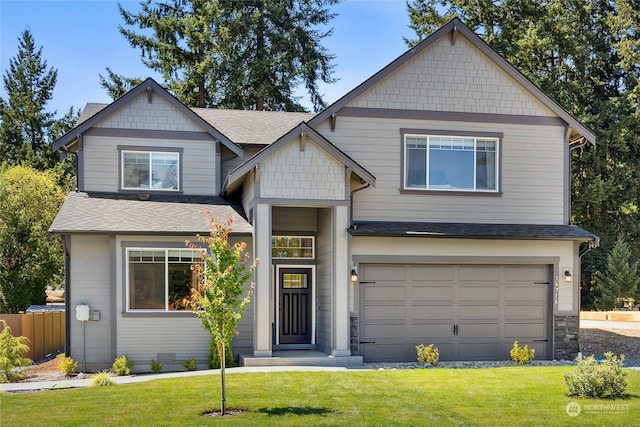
(295, 305)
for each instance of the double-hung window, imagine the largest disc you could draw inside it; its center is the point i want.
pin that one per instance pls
(152, 170)
(161, 279)
(451, 163)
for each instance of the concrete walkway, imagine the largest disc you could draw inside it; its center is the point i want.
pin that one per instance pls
(130, 379)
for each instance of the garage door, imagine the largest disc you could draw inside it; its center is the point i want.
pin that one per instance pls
(470, 312)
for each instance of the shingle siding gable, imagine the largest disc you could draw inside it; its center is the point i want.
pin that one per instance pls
(452, 78)
(140, 114)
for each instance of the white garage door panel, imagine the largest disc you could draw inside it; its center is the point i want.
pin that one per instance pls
(523, 312)
(432, 293)
(385, 294)
(387, 312)
(431, 312)
(479, 274)
(479, 351)
(422, 332)
(491, 306)
(475, 312)
(479, 293)
(524, 330)
(431, 273)
(383, 273)
(526, 293)
(526, 274)
(383, 332)
(478, 330)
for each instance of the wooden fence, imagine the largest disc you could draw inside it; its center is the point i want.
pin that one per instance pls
(44, 330)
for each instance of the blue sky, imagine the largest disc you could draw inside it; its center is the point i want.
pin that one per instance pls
(80, 38)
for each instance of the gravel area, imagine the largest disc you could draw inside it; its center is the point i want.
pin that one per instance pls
(593, 341)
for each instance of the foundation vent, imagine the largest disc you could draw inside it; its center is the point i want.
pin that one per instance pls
(166, 357)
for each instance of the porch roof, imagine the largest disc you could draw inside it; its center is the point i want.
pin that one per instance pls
(469, 230)
(101, 213)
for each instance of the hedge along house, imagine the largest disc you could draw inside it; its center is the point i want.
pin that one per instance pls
(428, 205)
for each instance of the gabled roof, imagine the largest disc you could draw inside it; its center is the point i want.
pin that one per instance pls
(240, 126)
(302, 130)
(453, 28)
(147, 85)
(250, 126)
(473, 231)
(103, 213)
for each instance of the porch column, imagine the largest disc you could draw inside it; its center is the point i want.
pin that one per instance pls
(341, 346)
(262, 295)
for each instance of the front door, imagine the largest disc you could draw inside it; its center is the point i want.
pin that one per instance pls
(294, 305)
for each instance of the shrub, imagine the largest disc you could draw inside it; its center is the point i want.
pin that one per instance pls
(102, 379)
(604, 380)
(428, 354)
(156, 366)
(214, 357)
(68, 366)
(122, 366)
(190, 364)
(521, 355)
(11, 351)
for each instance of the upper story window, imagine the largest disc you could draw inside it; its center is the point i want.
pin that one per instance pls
(451, 163)
(161, 279)
(150, 170)
(292, 247)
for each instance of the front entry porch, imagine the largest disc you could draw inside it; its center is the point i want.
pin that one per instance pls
(301, 358)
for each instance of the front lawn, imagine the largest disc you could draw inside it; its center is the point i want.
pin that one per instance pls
(518, 396)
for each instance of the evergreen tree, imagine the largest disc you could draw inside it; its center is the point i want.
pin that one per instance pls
(243, 54)
(586, 55)
(117, 85)
(621, 278)
(26, 124)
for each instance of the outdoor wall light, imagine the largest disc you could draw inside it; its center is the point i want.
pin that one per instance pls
(567, 276)
(354, 275)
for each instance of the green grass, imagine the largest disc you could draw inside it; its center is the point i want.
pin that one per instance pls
(518, 396)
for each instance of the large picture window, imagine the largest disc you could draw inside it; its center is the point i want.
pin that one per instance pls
(161, 279)
(150, 170)
(451, 163)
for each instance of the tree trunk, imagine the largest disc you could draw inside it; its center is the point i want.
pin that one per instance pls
(223, 392)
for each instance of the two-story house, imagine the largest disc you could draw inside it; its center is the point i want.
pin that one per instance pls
(428, 205)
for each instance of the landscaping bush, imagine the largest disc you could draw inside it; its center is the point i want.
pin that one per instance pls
(190, 364)
(428, 354)
(102, 379)
(522, 355)
(122, 366)
(601, 380)
(68, 366)
(156, 366)
(214, 357)
(11, 351)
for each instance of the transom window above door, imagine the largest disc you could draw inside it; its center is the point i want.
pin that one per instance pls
(150, 170)
(451, 163)
(292, 247)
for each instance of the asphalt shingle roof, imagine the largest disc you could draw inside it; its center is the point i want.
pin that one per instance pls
(467, 230)
(126, 214)
(240, 126)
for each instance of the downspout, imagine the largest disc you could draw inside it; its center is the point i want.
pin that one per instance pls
(351, 203)
(67, 297)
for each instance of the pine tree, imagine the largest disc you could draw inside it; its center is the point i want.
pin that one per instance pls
(621, 278)
(242, 54)
(586, 55)
(25, 123)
